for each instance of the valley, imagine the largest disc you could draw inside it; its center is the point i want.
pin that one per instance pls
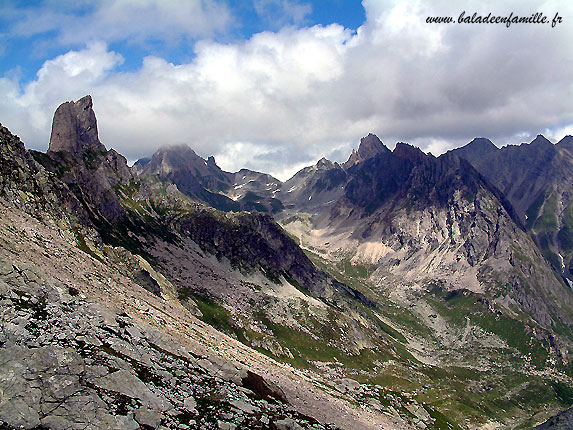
(396, 290)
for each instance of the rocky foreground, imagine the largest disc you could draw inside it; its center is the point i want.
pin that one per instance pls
(82, 347)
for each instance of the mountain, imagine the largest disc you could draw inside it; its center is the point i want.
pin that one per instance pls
(255, 191)
(206, 182)
(312, 187)
(536, 178)
(423, 217)
(83, 163)
(370, 146)
(433, 236)
(398, 290)
(476, 150)
(108, 305)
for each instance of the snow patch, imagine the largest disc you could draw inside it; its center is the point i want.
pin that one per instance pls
(562, 262)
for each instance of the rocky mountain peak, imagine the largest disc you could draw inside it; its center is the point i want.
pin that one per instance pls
(74, 128)
(566, 143)
(482, 145)
(541, 140)
(325, 164)
(478, 149)
(567, 140)
(199, 178)
(408, 152)
(369, 147)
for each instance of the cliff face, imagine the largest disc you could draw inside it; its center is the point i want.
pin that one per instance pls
(74, 128)
(537, 179)
(370, 146)
(29, 187)
(80, 160)
(424, 229)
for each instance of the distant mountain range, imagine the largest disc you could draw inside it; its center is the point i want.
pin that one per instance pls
(395, 290)
(537, 178)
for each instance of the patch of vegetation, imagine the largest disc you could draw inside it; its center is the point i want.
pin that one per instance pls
(517, 252)
(353, 270)
(565, 235)
(306, 348)
(532, 211)
(93, 157)
(82, 245)
(564, 392)
(441, 422)
(215, 315)
(547, 222)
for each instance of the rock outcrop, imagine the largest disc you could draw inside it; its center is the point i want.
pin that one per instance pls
(74, 128)
(537, 179)
(79, 159)
(369, 147)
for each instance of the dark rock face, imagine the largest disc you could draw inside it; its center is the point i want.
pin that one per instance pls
(74, 127)
(182, 166)
(537, 179)
(253, 241)
(562, 421)
(29, 187)
(477, 149)
(200, 179)
(258, 385)
(80, 160)
(369, 147)
(408, 173)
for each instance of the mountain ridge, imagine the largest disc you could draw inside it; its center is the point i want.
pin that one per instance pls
(536, 178)
(405, 285)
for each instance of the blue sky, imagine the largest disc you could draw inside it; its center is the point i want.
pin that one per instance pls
(24, 50)
(274, 85)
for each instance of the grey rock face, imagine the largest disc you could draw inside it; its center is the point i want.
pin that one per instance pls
(562, 421)
(82, 162)
(537, 179)
(200, 179)
(370, 146)
(74, 127)
(64, 369)
(28, 186)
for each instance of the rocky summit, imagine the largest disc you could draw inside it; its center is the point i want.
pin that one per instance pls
(74, 128)
(397, 290)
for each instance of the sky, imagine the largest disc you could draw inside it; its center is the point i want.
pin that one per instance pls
(275, 85)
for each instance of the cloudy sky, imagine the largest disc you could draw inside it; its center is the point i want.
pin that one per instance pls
(274, 85)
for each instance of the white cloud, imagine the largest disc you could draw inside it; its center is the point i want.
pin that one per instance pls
(116, 20)
(63, 78)
(557, 133)
(279, 13)
(295, 95)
